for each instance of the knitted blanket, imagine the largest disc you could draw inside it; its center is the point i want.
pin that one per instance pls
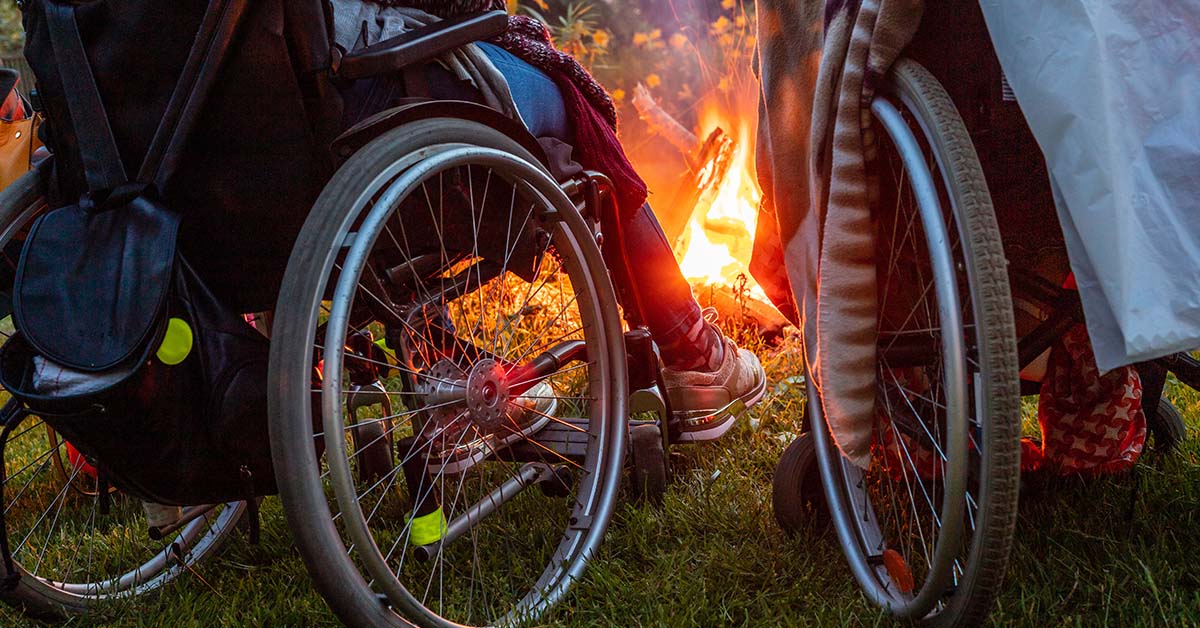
(820, 62)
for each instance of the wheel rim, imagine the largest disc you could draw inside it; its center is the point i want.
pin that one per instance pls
(71, 544)
(926, 436)
(450, 388)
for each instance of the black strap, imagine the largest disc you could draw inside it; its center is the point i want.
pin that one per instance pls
(102, 164)
(208, 53)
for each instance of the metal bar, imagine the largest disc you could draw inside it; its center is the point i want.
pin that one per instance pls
(190, 514)
(461, 524)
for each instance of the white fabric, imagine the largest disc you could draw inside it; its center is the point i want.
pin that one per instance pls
(53, 379)
(1111, 91)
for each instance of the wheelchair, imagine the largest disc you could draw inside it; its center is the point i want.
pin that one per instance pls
(967, 304)
(450, 379)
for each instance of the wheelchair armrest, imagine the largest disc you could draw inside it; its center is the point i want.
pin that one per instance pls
(420, 44)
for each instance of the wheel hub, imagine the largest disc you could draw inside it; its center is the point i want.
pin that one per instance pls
(482, 389)
(487, 394)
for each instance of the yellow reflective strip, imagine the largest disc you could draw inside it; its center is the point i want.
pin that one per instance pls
(428, 528)
(177, 342)
(382, 344)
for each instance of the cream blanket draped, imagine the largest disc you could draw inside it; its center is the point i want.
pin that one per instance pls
(820, 63)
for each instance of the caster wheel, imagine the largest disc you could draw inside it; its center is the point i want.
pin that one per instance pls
(560, 484)
(797, 496)
(1168, 427)
(374, 451)
(649, 474)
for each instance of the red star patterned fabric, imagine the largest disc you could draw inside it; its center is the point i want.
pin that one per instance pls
(1091, 423)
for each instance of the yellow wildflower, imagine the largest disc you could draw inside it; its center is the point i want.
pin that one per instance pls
(678, 41)
(721, 25)
(728, 4)
(618, 95)
(600, 38)
(653, 80)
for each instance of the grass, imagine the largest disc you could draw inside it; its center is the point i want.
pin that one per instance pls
(1118, 550)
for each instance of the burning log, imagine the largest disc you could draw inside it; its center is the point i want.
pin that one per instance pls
(736, 304)
(661, 122)
(709, 163)
(711, 217)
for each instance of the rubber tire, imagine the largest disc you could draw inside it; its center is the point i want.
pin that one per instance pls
(996, 518)
(648, 474)
(318, 540)
(796, 493)
(1168, 429)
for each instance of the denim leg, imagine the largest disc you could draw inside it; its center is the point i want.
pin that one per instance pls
(535, 94)
(649, 283)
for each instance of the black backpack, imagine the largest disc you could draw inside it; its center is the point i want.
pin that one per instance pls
(128, 296)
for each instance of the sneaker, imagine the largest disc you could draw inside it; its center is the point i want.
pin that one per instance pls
(464, 445)
(705, 405)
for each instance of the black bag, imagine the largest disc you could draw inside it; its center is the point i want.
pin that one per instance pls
(253, 165)
(121, 347)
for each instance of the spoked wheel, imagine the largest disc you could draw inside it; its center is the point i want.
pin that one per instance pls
(76, 542)
(927, 528)
(455, 276)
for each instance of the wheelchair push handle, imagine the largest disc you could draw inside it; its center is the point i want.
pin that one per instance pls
(420, 44)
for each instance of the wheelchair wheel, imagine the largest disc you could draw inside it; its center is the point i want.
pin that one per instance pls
(928, 527)
(444, 265)
(648, 472)
(1168, 427)
(77, 543)
(796, 494)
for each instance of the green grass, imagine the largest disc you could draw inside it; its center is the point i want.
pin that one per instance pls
(711, 554)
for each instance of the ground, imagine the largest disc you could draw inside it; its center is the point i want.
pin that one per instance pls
(1118, 551)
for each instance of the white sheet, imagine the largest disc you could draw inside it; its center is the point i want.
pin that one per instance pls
(1111, 91)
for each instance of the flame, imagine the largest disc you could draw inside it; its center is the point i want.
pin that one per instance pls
(716, 245)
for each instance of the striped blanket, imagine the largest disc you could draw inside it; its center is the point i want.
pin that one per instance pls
(820, 62)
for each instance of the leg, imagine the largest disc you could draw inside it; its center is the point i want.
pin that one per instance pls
(655, 294)
(709, 380)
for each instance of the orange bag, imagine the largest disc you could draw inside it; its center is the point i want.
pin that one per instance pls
(18, 130)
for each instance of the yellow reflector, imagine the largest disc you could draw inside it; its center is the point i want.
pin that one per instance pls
(428, 528)
(382, 344)
(177, 342)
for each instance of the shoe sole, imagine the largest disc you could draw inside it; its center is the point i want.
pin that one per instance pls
(715, 432)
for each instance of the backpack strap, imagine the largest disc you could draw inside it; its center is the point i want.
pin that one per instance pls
(102, 165)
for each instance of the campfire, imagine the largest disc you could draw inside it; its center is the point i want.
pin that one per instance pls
(710, 211)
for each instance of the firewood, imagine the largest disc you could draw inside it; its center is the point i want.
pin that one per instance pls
(661, 122)
(744, 309)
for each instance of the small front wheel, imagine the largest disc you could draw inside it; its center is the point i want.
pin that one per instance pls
(796, 493)
(649, 473)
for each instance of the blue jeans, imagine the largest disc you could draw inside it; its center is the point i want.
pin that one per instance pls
(650, 286)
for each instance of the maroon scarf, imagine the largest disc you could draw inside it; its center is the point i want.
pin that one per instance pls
(589, 107)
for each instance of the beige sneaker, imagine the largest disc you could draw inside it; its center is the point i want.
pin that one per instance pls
(706, 405)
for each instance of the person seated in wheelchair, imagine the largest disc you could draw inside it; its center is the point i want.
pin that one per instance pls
(705, 373)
